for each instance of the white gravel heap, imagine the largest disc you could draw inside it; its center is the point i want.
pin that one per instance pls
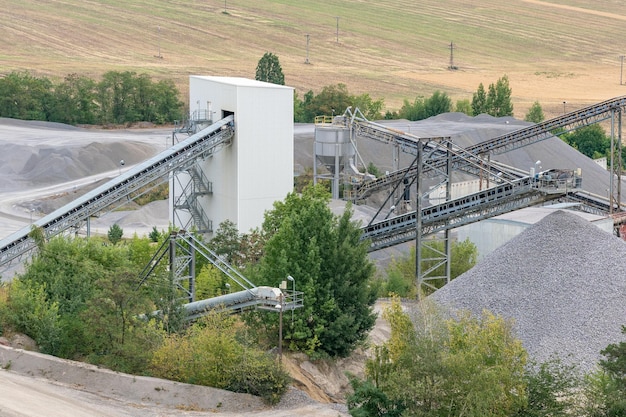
(563, 281)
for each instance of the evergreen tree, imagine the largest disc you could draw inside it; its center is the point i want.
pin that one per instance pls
(115, 233)
(268, 69)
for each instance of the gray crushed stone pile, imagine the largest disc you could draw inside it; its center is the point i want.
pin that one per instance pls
(563, 281)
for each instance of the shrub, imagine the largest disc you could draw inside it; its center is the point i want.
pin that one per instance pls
(210, 353)
(115, 233)
(154, 235)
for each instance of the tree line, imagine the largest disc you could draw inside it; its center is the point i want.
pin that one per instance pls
(127, 97)
(118, 98)
(335, 99)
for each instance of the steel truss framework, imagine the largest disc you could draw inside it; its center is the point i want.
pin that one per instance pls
(181, 251)
(438, 157)
(115, 193)
(505, 143)
(468, 209)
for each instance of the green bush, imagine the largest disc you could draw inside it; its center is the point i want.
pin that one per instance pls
(258, 375)
(210, 353)
(115, 233)
(33, 314)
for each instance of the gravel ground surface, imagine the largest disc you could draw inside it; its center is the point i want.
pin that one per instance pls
(563, 281)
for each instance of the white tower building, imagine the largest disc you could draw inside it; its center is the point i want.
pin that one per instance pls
(256, 170)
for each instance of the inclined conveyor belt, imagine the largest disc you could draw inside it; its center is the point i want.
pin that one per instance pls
(265, 298)
(436, 155)
(153, 171)
(471, 208)
(250, 296)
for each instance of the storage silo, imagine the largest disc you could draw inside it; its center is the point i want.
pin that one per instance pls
(333, 150)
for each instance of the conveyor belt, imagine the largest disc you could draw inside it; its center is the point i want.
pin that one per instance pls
(471, 208)
(151, 172)
(437, 158)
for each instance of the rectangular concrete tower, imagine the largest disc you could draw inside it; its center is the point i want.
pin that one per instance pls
(256, 170)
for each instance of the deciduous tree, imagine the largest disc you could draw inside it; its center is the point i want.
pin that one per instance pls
(433, 367)
(535, 113)
(269, 70)
(589, 140)
(325, 255)
(401, 271)
(499, 98)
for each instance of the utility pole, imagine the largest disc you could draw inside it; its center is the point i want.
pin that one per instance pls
(307, 49)
(621, 68)
(337, 32)
(280, 328)
(159, 41)
(451, 67)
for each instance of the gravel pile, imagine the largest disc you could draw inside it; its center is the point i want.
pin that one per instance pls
(563, 281)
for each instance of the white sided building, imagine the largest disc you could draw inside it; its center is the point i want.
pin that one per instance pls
(256, 169)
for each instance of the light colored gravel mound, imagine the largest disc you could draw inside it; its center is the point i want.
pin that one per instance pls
(562, 280)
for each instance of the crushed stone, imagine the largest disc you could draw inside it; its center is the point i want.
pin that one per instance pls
(562, 281)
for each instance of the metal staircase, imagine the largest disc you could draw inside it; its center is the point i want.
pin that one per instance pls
(188, 201)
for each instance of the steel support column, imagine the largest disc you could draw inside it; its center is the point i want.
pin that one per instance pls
(434, 261)
(615, 181)
(418, 220)
(448, 198)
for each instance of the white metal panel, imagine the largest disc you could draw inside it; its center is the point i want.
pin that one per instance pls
(265, 150)
(257, 169)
